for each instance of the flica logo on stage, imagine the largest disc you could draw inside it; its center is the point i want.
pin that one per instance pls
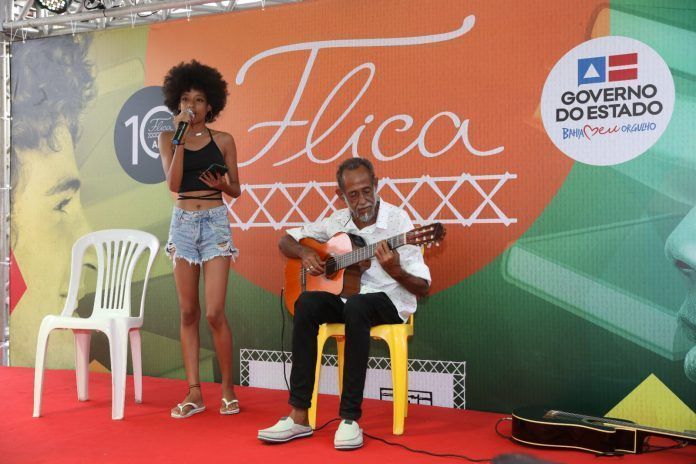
(136, 134)
(607, 101)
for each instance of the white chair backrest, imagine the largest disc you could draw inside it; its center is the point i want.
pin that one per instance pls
(118, 252)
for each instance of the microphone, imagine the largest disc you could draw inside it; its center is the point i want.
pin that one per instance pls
(176, 140)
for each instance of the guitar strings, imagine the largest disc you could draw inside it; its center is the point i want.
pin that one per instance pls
(422, 234)
(367, 252)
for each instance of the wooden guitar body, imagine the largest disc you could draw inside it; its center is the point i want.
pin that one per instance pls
(298, 280)
(345, 258)
(530, 427)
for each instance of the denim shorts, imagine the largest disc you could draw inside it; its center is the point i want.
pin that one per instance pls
(199, 236)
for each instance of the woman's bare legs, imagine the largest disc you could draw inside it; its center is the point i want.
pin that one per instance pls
(216, 272)
(186, 276)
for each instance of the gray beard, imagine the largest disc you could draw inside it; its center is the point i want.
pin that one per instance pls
(369, 216)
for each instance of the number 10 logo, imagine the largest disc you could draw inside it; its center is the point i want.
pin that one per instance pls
(136, 134)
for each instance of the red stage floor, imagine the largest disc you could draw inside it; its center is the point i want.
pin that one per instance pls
(70, 431)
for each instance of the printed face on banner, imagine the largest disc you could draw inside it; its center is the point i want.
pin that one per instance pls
(46, 198)
(680, 250)
(52, 175)
(453, 139)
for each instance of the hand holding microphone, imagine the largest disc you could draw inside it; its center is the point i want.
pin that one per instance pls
(184, 118)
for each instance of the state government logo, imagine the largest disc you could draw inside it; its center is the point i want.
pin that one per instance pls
(607, 101)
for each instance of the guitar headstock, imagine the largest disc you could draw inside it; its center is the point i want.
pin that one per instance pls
(426, 235)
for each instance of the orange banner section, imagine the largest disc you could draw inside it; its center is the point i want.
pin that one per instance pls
(443, 99)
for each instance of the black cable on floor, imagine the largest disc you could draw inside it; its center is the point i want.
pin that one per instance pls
(412, 450)
(654, 448)
(507, 437)
(428, 453)
(327, 423)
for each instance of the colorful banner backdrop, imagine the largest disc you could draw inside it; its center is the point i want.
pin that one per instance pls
(549, 140)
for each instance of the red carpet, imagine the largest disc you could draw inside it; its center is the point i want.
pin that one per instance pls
(74, 432)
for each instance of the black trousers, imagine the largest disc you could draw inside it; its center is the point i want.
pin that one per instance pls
(359, 313)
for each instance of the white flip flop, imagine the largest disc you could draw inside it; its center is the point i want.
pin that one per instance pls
(227, 412)
(194, 410)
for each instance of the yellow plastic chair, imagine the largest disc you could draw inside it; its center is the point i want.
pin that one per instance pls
(396, 336)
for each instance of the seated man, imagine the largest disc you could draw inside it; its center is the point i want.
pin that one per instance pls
(388, 291)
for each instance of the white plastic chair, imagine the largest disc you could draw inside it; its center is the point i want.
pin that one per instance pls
(118, 252)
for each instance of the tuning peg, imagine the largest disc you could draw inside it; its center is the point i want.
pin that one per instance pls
(437, 244)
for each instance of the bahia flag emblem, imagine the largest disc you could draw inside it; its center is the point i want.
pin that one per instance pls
(610, 68)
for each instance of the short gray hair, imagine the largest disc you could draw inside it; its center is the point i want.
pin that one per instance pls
(351, 164)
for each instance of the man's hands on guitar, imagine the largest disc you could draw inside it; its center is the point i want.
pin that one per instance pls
(311, 261)
(388, 259)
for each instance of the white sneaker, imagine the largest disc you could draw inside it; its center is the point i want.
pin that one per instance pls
(284, 430)
(348, 436)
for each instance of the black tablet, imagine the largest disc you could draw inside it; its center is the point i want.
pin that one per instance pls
(216, 169)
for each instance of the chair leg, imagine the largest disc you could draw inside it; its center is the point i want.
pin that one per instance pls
(136, 349)
(406, 395)
(118, 348)
(398, 349)
(312, 413)
(406, 386)
(340, 349)
(44, 332)
(82, 340)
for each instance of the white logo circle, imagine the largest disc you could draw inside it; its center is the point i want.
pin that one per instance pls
(607, 101)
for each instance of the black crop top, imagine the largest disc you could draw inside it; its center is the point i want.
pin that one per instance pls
(197, 161)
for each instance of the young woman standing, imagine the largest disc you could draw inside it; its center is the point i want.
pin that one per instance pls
(200, 238)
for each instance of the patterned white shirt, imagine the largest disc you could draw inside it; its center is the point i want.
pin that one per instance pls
(391, 221)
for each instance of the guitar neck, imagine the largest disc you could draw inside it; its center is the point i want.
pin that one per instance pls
(367, 252)
(674, 435)
(642, 428)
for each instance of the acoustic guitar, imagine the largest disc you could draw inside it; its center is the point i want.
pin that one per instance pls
(538, 426)
(345, 258)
